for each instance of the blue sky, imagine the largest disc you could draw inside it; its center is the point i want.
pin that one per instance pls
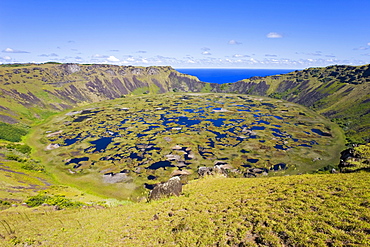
(194, 33)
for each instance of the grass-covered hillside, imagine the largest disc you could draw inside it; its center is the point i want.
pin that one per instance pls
(341, 93)
(70, 151)
(300, 210)
(32, 92)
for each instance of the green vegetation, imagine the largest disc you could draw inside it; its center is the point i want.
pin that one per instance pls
(11, 132)
(206, 89)
(65, 168)
(52, 63)
(116, 147)
(23, 148)
(301, 210)
(11, 65)
(59, 201)
(360, 160)
(225, 86)
(340, 93)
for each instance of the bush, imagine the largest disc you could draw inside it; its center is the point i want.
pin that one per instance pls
(11, 133)
(23, 148)
(37, 200)
(63, 202)
(33, 166)
(13, 157)
(4, 203)
(59, 201)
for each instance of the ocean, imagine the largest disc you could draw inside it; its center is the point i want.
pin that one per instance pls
(221, 76)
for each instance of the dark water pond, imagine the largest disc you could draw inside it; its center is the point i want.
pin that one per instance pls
(206, 128)
(99, 145)
(280, 166)
(252, 160)
(160, 164)
(319, 132)
(77, 161)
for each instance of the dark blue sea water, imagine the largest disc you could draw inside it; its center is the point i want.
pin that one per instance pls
(231, 75)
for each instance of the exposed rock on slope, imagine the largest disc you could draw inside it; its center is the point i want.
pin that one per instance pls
(172, 187)
(28, 91)
(341, 93)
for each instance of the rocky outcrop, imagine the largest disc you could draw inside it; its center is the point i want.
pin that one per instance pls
(255, 172)
(221, 169)
(355, 158)
(172, 187)
(341, 93)
(72, 84)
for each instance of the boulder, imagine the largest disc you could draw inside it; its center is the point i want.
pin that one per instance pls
(191, 155)
(52, 146)
(203, 171)
(172, 187)
(172, 157)
(177, 147)
(180, 173)
(219, 169)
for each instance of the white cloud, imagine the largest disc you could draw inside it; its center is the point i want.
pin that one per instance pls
(362, 48)
(240, 55)
(368, 43)
(112, 59)
(49, 55)
(205, 49)
(100, 56)
(274, 35)
(10, 50)
(6, 58)
(206, 53)
(234, 42)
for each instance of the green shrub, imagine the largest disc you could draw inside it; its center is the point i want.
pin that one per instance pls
(37, 200)
(11, 133)
(59, 201)
(63, 202)
(33, 166)
(13, 157)
(4, 203)
(23, 148)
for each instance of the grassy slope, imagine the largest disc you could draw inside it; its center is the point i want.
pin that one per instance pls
(341, 93)
(314, 210)
(25, 177)
(302, 210)
(36, 91)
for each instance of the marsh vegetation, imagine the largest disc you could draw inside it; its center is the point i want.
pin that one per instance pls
(126, 145)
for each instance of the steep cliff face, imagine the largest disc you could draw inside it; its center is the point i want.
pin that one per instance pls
(341, 93)
(30, 92)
